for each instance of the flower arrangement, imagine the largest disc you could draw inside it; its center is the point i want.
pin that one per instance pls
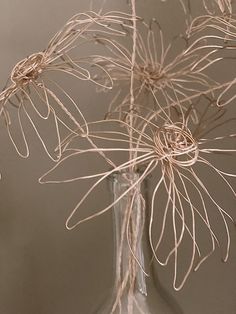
(172, 120)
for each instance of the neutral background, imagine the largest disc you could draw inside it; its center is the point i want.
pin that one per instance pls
(45, 269)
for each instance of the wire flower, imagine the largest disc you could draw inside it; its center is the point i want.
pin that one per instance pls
(33, 93)
(217, 34)
(225, 6)
(163, 74)
(172, 150)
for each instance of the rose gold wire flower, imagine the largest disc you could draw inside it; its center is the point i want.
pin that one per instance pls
(164, 74)
(30, 91)
(214, 6)
(171, 150)
(216, 33)
(222, 29)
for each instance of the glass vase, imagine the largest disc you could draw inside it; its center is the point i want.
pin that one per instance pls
(136, 290)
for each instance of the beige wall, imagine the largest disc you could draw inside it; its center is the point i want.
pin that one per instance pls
(45, 269)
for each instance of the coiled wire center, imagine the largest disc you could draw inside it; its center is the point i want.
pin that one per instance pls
(176, 145)
(28, 69)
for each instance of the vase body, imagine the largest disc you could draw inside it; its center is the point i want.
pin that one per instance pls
(135, 290)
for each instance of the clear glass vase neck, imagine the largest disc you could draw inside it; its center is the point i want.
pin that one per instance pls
(135, 290)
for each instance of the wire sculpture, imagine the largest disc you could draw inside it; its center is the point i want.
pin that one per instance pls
(170, 121)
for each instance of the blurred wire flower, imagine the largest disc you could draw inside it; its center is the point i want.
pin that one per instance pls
(163, 74)
(212, 7)
(175, 151)
(35, 94)
(217, 33)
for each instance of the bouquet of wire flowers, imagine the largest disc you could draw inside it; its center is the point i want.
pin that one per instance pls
(169, 115)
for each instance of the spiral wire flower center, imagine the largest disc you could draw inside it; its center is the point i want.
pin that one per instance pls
(28, 69)
(176, 145)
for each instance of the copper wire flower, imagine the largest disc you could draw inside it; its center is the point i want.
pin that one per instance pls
(32, 92)
(172, 150)
(163, 73)
(212, 7)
